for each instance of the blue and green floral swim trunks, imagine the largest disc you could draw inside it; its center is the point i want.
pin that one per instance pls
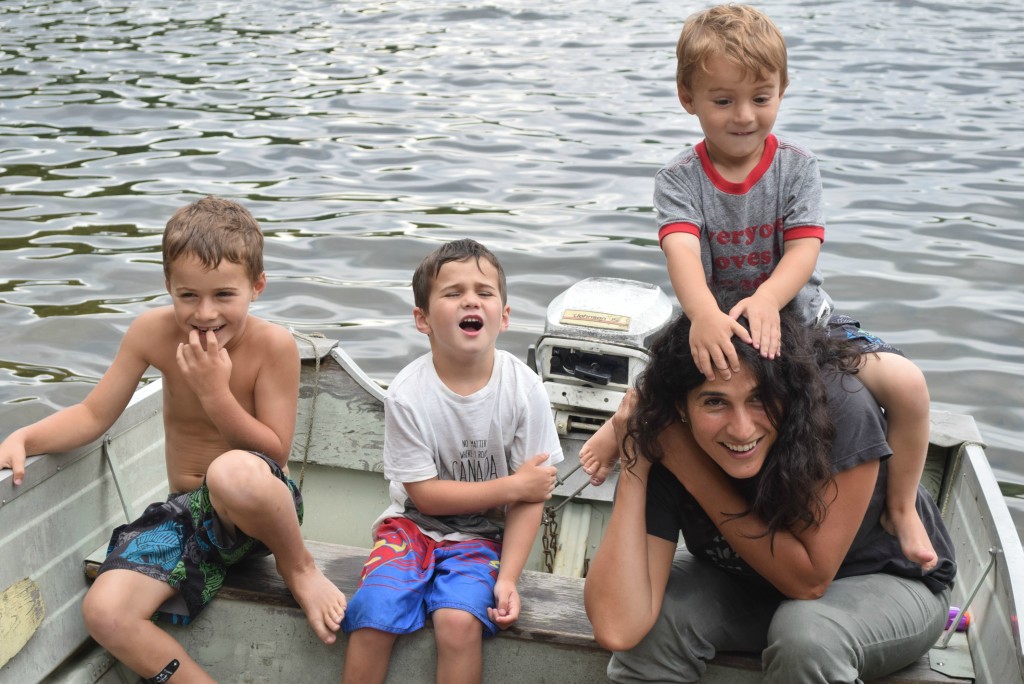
(181, 542)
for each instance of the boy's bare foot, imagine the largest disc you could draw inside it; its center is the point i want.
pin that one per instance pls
(322, 602)
(914, 541)
(599, 453)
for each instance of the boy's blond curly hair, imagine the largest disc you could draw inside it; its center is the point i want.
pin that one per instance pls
(739, 33)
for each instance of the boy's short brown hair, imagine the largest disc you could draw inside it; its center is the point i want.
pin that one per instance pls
(214, 229)
(739, 33)
(457, 250)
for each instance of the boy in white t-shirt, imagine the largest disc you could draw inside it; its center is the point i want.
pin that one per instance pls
(469, 449)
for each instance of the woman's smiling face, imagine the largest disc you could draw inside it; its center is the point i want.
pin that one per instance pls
(730, 423)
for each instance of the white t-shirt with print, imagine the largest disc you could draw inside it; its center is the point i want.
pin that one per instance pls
(430, 431)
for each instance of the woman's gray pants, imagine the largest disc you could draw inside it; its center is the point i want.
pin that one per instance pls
(862, 628)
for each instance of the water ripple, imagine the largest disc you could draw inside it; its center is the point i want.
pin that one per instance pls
(362, 134)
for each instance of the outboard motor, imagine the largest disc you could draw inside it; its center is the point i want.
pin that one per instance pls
(594, 345)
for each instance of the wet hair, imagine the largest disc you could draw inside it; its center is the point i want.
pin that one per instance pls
(741, 34)
(791, 490)
(457, 250)
(214, 230)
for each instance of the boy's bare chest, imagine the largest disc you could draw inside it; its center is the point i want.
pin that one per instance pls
(186, 399)
(193, 438)
(184, 393)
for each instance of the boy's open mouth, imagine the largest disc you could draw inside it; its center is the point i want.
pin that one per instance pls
(202, 331)
(471, 323)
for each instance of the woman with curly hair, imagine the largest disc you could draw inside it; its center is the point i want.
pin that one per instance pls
(776, 479)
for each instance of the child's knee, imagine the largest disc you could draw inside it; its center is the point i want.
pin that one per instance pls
(455, 628)
(233, 464)
(237, 472)
(102, 616)
(895, 379)
(915, 382)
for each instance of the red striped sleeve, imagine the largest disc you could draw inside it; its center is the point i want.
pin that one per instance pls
(670, 228)
(802, 232)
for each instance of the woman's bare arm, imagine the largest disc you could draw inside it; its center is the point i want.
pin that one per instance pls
(799, 565)
(626, 581)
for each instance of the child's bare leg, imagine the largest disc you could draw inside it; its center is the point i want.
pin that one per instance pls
(899, 386)
(459, 638)
(247, 495)
(367, 656)
(117, 611)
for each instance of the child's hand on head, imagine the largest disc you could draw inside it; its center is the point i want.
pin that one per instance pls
(711, 344)
(765, 329)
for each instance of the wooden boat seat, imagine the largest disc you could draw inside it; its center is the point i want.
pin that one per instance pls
(552, 606)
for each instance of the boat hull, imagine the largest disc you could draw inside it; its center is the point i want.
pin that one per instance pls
(69, 503)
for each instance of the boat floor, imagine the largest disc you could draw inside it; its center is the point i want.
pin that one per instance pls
(552, 616)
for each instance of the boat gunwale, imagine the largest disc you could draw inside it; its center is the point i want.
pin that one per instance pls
(146, 402)
(1010, 550)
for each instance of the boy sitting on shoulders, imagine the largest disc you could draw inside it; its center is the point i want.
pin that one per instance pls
(469, 448)
(742, 211)
(230, 389)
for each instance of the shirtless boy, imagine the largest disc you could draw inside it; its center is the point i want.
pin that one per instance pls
(230, 394)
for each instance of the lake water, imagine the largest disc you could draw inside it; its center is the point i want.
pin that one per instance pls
(362, 134)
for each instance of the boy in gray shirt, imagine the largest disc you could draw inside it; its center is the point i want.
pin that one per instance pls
(742, 211)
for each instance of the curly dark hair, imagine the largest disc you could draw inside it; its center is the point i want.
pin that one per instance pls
(796, 475)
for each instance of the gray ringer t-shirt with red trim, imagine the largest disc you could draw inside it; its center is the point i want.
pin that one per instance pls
(742, 227)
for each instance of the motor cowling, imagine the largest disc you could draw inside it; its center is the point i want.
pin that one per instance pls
(595, 342)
